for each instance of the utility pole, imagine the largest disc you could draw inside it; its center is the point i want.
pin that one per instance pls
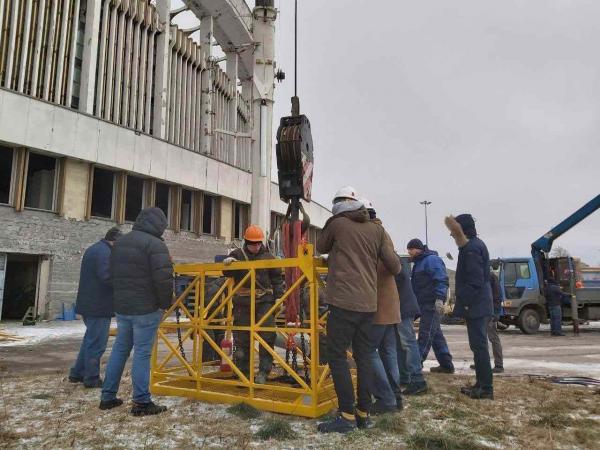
(426, 203)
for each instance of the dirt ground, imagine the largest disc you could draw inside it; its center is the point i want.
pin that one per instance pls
(40, 409)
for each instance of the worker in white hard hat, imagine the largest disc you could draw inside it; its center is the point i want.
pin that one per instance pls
(355, 244)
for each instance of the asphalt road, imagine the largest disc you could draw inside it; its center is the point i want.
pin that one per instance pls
(534, 354)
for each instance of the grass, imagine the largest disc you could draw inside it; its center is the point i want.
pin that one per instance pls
(244, 411)
(525, 415)
(449, 438)
(274, 428)
(391, 423)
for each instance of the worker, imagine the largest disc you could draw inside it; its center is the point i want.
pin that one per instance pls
(430, 284)
(386, 377)
(410, 367)
(95, 304)
(554, 299)
(142, 274)
(492, 329)
(474, 299)
(355, 245)
(269, 286)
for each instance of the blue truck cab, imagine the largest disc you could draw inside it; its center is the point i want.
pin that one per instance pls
(523, 304)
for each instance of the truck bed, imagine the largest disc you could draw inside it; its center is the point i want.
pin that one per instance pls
(588, 296)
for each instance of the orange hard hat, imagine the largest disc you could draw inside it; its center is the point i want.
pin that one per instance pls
(254, 234)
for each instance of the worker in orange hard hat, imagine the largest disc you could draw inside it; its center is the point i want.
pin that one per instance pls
(269, 286)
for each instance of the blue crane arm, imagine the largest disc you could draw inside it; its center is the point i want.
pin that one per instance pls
(544, 244)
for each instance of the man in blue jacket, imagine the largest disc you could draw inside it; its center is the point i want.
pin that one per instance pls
(95, 304)
(474, 299)
(430, 285)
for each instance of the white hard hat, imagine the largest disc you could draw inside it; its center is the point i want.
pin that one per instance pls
(367, 203)
(346, 192)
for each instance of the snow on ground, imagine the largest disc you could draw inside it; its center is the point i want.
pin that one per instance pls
(42, 331)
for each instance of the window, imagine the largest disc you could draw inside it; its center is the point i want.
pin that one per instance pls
(162, 198)
(186, 210)
(6, 167)
(103, 189)
(523, 270)
(510, 274)
(209, 223)
(134, 197)
(240, 220)
(41, 182)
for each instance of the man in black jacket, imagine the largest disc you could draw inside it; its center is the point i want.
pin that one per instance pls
(142, 275)
(474, 299)
(554, 300)
(95, 304)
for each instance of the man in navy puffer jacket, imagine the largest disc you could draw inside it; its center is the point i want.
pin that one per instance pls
(430, 285)
(474, 299)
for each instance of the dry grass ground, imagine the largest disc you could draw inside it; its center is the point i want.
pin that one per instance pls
(48, 412)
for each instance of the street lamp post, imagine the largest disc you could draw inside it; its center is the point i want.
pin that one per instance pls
(426, 203)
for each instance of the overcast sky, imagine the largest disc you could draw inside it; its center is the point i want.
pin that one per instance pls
(481, 106)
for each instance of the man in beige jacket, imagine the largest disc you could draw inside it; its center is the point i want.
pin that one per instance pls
(355, 245)
(385, 385)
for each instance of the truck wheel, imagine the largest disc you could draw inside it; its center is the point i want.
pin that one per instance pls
(529, 321)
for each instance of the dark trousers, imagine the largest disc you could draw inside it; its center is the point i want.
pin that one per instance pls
(241, 339)
(477, 331)
(93, 346)
(430, 335)
(347, 329)
(555, 318)
(495, 341)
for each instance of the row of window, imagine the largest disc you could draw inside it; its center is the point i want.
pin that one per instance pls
(32, 180)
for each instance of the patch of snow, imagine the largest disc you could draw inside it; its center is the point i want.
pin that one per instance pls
(42, 331)
(580, 369)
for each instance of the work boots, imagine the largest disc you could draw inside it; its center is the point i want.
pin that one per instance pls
(147, 409)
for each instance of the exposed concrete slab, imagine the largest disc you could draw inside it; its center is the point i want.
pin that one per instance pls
(64, 131)
(39, 125)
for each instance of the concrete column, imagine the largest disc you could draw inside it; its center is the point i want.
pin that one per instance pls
(262, 114)
(161, 81)
(226, 223)
(90, 56)
(206, 112)
(231, 69)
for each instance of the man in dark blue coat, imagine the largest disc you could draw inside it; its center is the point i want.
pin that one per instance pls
(95, 304)
(474, 299)
(430, 285)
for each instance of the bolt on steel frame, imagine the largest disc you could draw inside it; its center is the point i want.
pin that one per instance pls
(201, 377)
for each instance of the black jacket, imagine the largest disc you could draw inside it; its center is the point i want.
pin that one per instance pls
(409, 307)
(496, 294)
(266, 278)
(554, 295)
(141, 266)
(473, 289)
(95, 293)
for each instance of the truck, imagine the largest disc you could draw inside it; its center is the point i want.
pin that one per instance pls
(523, 281)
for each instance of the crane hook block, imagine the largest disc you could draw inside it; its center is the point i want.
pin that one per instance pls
(295, 160)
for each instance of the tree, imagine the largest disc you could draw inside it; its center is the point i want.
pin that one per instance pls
(559, 252)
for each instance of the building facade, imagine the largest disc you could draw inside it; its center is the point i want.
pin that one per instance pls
(107, 107)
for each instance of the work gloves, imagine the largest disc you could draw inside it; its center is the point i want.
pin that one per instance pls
(439, 306)
(230, 259)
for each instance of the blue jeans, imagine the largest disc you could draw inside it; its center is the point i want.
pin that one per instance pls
(385, 385)
(555, 318)
(430, 335)
(477, 332)
(137, 332)
(93, 346)
(408, 354)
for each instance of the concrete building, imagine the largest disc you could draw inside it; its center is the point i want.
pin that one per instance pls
(107, 107)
